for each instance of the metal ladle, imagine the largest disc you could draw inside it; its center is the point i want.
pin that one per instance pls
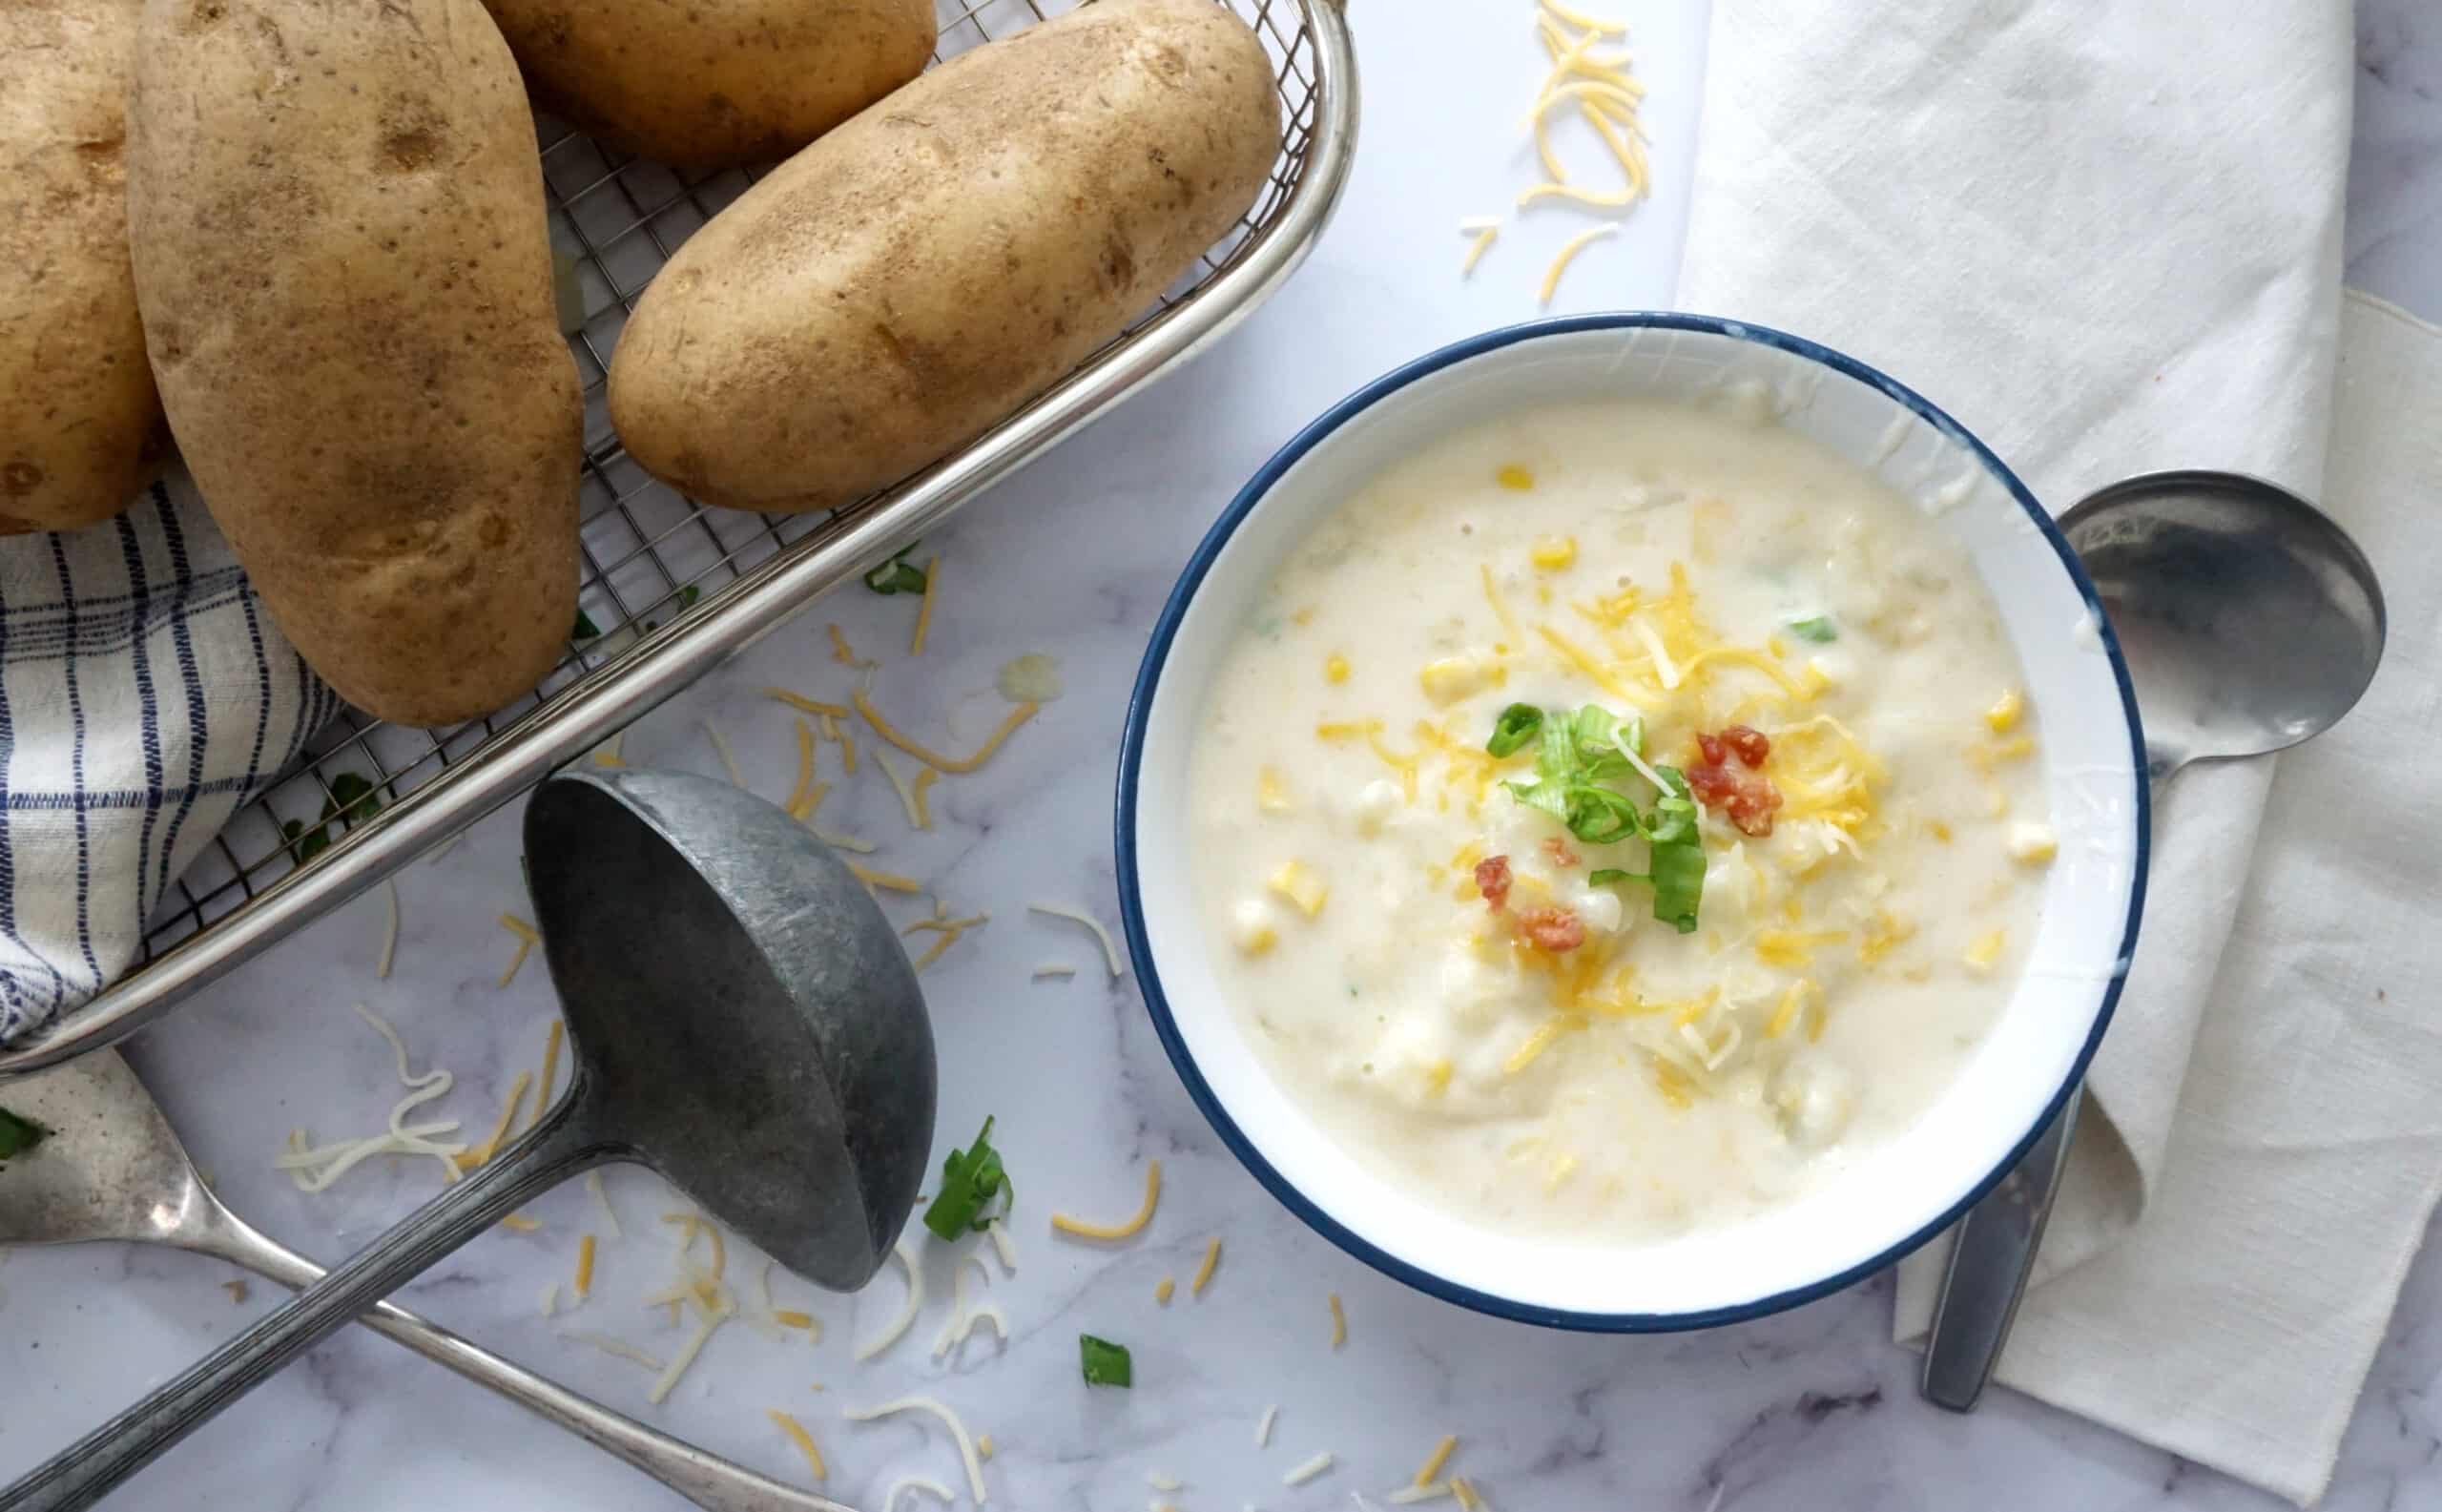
(742, 1020)
(111, 1167)
(2249, 622)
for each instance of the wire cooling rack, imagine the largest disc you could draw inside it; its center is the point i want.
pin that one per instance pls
(671, 587)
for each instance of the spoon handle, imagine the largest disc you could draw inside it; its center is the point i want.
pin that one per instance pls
(706, 1480)
(1989, 1265)
(563, 1143)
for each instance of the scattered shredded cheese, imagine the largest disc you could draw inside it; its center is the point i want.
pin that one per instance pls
(803, 1439)
(1163, 1289)
(803, 704)
(1262, 1426)
(874, 878)
(1004, 1247)
(526, 940)
(551, 1298)
(1121, 1231)
(519, 1222)
(1578, 18)
(1567, 254)
(1053, 968)
(1434, 1462)
(1410, 1495)
(1339, 1322)
(610, 1215)
(1110, 947)
(899, 785)
(1204, 1271)
(839, 648)
(925, 612)
(713, 1319)
(490, 1147)
(584, 1267)
(1483, 233)
(615, 1347)
(925, 778)
(898, 1325)
(1465, 1491)
(389, 931)
(550, 1073)
(982, 753)
(911, 1484)
(1308, 1469)
(947, 932)
(948, 1420)
(720, 747)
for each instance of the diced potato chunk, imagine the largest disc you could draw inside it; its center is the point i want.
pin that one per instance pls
(1376, 802)
(1271, 792)
(1250, 926)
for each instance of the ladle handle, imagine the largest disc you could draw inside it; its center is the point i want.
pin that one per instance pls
(562, 1144)
(708, 1481)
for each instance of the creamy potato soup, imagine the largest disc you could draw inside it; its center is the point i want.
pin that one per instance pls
(1617, 816)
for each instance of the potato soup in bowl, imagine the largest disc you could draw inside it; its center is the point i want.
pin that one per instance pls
(1618, 825)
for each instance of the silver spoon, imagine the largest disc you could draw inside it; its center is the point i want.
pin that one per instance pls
(742, 1020)
(111, 1167)
(2250, 622)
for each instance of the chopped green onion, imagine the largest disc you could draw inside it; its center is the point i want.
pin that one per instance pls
(1678, 854)
(1816, 628)
(1517, 725)
(17, 1135)
(897, 575)
(1605, 876)
(971, 1178)
(1106, 1363)
(585, 629)
(688, 595)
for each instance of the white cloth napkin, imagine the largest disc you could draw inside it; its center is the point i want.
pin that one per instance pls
(144, 697)
(2108, 239)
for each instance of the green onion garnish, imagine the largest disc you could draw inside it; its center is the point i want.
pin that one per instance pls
(1106, 1363)
(1517, 724)
(1816, 628)
(1581, 759)
(17, 1135)
(585, 629)
(897, 575)
(971, 1178)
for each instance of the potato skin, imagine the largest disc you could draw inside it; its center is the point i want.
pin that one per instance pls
(80, 424)
(714, 83)
(928, 267)
(337, 214)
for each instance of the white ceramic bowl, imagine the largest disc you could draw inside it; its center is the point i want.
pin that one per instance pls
(1884, 1205)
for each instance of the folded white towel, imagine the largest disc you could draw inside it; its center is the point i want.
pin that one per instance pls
(144, 697)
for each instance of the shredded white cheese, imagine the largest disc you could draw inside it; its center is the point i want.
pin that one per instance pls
(1307, 1470)
(314, 1170)
(1051, 970)
(720, 746)
(843, 842)
(912, 1484)
(1410, 1494)
(602, 1198)
(550, 1300)
(390, 930)
(713, 1319)
(947, 1419)
(1004, 1246)
(1263, 1427)
(906, 1318)
(617, 1348)
(899, 785)
(1110, 948)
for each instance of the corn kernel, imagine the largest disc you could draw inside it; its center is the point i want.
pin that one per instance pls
(1451, 678)
(1335, 668)
(2033, 844)
(1986, 951)
(1515, 478)
(1552, 553)
(2003, 716)
(1271, 792)
(1437, 1077)
(1295, 882)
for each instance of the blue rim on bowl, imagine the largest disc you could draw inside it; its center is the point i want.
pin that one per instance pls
(1132, 753)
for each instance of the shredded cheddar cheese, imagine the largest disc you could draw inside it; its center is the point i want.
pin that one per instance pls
(1204, 1271)
(982, 753)
(527, 937)
(899, 785)
(584, 1268)
(924, 611)
(1117, 1230)
(1432, 1466)
(1163, 1289)
(803, 1439)
(1339, 1322)
(1481, 235)
(925, 778)
(805, 705)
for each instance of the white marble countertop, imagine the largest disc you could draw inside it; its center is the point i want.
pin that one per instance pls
(1813, 1408)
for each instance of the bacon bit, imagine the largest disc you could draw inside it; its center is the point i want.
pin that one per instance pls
(1558, 849)
(1750, 801)
(1751, 744)
(1552, 930)
(1492, 880)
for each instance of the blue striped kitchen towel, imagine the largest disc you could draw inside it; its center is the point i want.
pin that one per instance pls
(144, 697)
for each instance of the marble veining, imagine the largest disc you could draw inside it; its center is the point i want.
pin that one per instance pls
(1812, 1409)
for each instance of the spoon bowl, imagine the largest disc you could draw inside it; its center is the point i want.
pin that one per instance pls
(742, 1013)
(2249, 621)
(743, 1019)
